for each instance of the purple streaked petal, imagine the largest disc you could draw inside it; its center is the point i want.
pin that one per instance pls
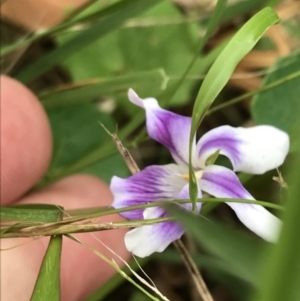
(221, 182)
(145, 240)
(170, 129)
(151, 184)
(252, 150)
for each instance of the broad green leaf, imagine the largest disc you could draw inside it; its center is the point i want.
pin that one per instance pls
(238, 250)
(127, 9)
(31, 213)
(77, 133)
(281, 277)
(280, 106)
(108, 167)
(221, 70)
(153, 38)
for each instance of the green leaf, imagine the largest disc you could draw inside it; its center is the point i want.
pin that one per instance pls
(108, 167)
(238, 8)
(221, 70)
(153, 35)
(126, 9)
(212, 158)
(77, 134)
(98, 87)
(31, 213)
(208, 262)
(77, 131)
(281, 277)
(241, 252)
(47, 286)
(273, 3)
(244, 96)
(280, 106)
(219, 271)
(212, 24)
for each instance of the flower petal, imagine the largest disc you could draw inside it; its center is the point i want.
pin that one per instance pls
(252, 150)
(185, 194)
(170, 129)
(145, 240)
(223, 183)
(151, 184)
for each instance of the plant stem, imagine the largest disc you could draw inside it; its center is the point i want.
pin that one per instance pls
(193, 270)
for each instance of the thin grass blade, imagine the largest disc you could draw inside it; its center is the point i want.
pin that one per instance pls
(221, 70)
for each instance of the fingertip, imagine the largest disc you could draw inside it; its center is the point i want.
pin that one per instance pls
(26, 140)
(82, 271)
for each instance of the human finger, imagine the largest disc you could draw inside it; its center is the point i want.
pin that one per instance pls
(81, 270)
(26, 141)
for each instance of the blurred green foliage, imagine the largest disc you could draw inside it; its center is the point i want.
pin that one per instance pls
(280, 105)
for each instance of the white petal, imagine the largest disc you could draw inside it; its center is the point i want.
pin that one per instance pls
(150, 102)
(252, 150)
(258, 219)
(221, 182)
(145, 240)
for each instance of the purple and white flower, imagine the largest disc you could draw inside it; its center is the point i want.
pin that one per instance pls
(251, 150)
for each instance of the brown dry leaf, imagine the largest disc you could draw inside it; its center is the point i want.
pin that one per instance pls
(244, 80)
(279, 37)
(257, 59)
(288, 9)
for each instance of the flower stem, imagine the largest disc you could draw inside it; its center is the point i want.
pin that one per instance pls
(193, 270)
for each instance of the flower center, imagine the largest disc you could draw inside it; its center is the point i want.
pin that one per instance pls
(198, 175)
